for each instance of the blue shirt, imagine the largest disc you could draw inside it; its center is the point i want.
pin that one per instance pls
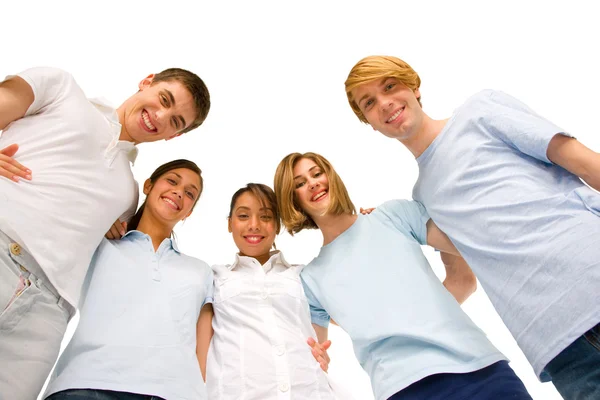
(529, 229)
(137, 329)
(375, 282)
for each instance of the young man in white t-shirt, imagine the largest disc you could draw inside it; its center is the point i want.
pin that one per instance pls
(61, 190)
(504, 184)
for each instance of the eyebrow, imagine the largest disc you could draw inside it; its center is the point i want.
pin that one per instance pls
(179, 176)
(260, 209)
(172, 101)
(381, 82)
(300, 176)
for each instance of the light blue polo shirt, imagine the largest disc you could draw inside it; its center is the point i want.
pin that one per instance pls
(529, 229)
(375, 282)
(137, 330)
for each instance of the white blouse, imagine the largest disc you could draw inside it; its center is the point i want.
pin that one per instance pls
(261, 323)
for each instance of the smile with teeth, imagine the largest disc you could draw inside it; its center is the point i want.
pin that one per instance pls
(253, 239)
(170, 202)
(319, 195)
(395, 115)
(146, 119)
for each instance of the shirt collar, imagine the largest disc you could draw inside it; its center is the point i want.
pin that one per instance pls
(275, 257)
(137, 235)
(110, 113)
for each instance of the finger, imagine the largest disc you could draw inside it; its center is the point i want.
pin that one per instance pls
(124, 225)
(324, 366)
(311, 342)
(9, 175)
(326, 357)
(326, 345)
(10, 150)
(115, 232)
(13, 167)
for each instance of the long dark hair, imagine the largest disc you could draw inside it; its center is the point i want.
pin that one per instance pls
(160, 171)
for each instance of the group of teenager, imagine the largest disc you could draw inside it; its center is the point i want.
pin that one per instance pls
(499, 194)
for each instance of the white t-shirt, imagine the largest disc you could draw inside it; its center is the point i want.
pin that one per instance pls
(82, 181)
(261, 323)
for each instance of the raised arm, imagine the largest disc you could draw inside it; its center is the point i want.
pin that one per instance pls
(204, 334)
(438, 239)
(15, 98)
(576, 158)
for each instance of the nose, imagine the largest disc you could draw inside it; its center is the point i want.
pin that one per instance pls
(313, 183)
(253, 223)
(178, 191)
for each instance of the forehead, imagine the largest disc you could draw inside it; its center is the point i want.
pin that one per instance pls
(303, 165)
(249, 200)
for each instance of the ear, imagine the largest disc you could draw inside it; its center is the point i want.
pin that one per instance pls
(417, 93)
(229, 225)
(146, 82)
(147, 186)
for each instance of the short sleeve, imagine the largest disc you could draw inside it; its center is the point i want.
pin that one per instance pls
(518, 125)
(408, 216)
(209, 287)
(49, 85)
(318, 315)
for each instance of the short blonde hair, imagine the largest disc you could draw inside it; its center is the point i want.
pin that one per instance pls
(293, 217)
(378, 67)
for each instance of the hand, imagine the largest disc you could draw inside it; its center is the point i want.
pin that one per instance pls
(117, 230)
(365, 211)
(319, 352)
(9, 167)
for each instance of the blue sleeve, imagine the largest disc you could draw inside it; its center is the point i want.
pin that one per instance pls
(518, 125)
(408, 216)
(318, 315)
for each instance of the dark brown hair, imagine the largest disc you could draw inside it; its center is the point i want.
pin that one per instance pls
(265, 195)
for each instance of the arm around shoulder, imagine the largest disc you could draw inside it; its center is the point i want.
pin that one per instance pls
(204, 334)
(576, 158)
(15, 98)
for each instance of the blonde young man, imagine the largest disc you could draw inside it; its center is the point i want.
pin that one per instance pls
(372, 278)
(61, 189)
(497, 168)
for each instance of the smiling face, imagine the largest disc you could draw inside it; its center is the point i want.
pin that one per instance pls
(172, 197)
(311, 187)
(253, 226)
(390, 107)
(157, 111)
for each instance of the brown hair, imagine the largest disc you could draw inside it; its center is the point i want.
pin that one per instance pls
(160, 171)
(378, 67)
(265, 195)
(292, 215)
(195, 86)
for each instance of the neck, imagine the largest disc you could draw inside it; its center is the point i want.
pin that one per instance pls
(332, 226)
(124, 135)
(430, 129)
(157, 231)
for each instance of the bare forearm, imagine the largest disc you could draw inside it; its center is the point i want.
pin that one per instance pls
(204, 334)
(576, 158)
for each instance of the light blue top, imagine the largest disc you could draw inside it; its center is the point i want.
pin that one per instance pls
(137, 330)
(529, 229)
(375, 282)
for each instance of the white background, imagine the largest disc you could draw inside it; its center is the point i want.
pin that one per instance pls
(276, 72)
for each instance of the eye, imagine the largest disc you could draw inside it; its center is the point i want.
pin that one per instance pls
(242, 216)
(175, 123)
(190, 195)
(367, 104)
(164, 101)
(266, 217)
(299, 185)
(318, 174)
(172, 181)
(389, 86)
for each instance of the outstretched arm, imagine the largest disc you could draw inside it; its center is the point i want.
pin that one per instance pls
(576, 158)
(460, 280)
(204, 334)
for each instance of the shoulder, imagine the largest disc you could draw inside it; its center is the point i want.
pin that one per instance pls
(197, 264)
(399, 207)
(51, 77)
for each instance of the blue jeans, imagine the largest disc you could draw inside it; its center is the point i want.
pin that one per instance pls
(575, 372)
(494, 382)
(94, 394)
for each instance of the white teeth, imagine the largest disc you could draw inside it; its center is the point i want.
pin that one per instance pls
(171, 202)
(147, 121)
(253, 239)
(393, 117)
(323, 193)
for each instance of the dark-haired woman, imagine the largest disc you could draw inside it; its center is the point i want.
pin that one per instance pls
(136, 337)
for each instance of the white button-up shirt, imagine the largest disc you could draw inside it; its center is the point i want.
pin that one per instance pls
(261, 324)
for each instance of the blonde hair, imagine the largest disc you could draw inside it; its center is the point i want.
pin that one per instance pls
(293, 217)
(378, 67)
